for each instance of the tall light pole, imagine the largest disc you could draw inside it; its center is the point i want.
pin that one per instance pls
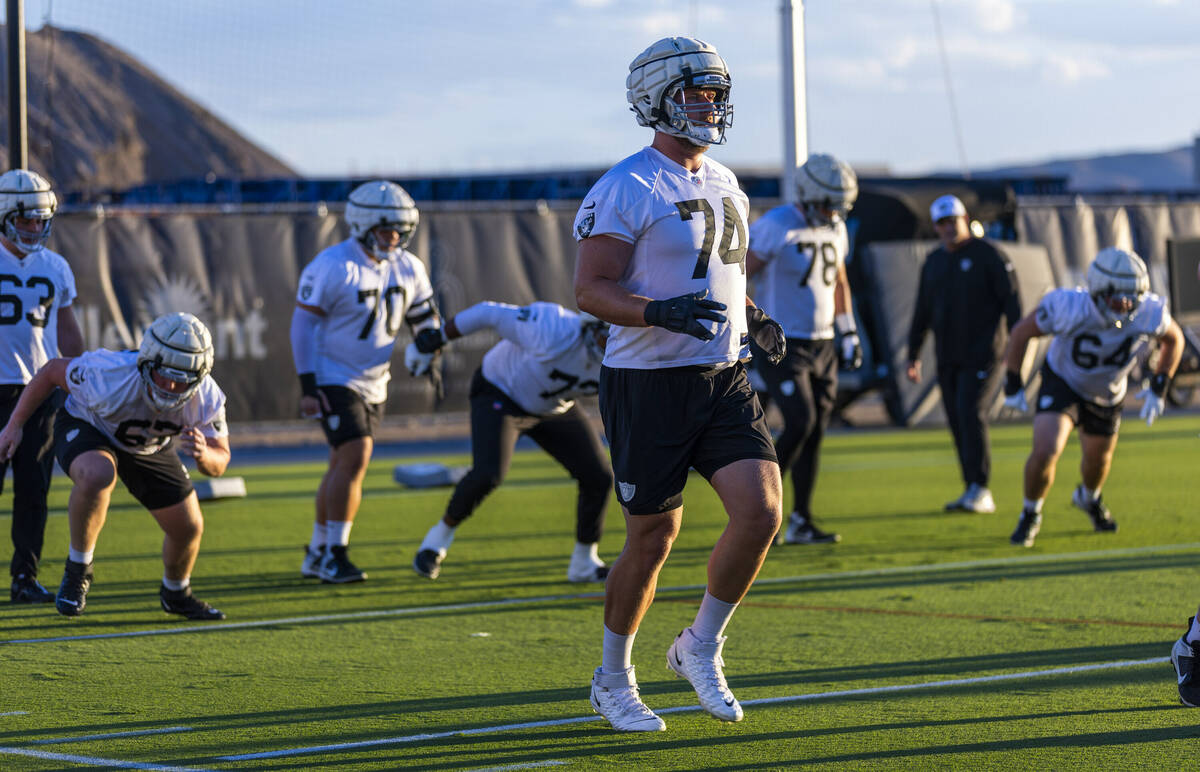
(18, 139)
(795, 96)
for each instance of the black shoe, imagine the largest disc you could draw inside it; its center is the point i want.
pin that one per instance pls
(1027, 528)
(802, 530)
(1102, 519)
(1183, 658)
(428, 563)
(337, 568)
(185, 604)
(72, 593)
(27, 589)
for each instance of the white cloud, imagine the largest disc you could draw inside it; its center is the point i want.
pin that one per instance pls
(1067, 70)
(995, 15)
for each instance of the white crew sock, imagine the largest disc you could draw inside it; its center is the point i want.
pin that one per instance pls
(439, 538)
(1034, 505)
(712, 617)
(586, 553)
(80, 557)
(176, 585)
(317, 542)
(337, 532)
(618, 652)
(1092, 495)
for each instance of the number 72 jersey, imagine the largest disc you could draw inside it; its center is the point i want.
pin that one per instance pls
(365, 303)
(1087, 352)
(688, 231)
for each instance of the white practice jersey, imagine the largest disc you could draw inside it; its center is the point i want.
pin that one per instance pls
(32, 291)
(689, 234)
(796, 287)
(106, 390)
(365, 303)
(543, 363)
(1087, 352)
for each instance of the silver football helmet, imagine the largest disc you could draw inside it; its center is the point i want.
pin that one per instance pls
(825, 183)
(380, 203)
(1118, 281)
(26, 194)
(655, 86)
(179, 348)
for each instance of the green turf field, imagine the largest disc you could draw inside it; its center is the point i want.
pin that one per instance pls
(923, 640)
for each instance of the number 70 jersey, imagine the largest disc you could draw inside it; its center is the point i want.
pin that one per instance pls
(688, 231)
(365, 303)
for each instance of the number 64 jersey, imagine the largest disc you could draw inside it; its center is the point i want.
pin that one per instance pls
(106, 390)
(365, 303)
(688, 231)
(1090, 354)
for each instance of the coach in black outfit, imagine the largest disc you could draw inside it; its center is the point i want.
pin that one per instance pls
(966, 287)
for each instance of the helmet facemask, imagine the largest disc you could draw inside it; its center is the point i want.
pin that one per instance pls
(164, 398)
(1118, 281)
(28, 241)
(700, 122)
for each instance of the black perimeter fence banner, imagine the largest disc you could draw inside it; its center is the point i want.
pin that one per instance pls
(238, 270)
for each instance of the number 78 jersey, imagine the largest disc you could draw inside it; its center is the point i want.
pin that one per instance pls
(365, 303)
(688, 231)
(1087, 352)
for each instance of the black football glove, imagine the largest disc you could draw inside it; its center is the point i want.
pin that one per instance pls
(430, 339)
(851, 354)
(767, 333)
(683, 314)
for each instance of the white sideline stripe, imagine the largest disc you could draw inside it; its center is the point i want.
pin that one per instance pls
(93, 761)
(689, 708)
(530, 765)
(16, 713)
(111, 735)
(485, 604)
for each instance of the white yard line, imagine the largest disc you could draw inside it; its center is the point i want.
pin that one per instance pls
(412, 738)
(111, 735)
(530, 765)
(503, 602)
(93, 761)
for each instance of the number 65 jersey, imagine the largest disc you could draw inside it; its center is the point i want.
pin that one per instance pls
(365, 303)
(1090, 354)
(688, 231)
(106, 390)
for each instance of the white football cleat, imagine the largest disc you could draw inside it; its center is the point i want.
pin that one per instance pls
(978, 499)
(700, 663)
(615, 696)
(586, 570)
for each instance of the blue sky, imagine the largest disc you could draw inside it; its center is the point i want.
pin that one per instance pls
(403, 87)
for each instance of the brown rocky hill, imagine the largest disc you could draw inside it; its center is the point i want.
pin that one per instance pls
(100, 119)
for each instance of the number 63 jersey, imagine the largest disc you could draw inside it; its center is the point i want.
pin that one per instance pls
(688, 231)
(32, 291)
(106, 390)
(1090, 354)
(365, 303)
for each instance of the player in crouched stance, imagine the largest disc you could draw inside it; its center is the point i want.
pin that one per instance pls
(527, 384)
(662, 253)
(1099, 332)
(122, 410)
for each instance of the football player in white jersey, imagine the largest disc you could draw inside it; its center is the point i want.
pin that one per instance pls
(1099, 334)
(662, 246)
(798, 252)
(123, 408)
(351, 302)
(527, 384)
(37, 324)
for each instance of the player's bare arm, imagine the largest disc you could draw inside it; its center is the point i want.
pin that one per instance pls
(52, 375)
(211, 454)
(1026, 330)
(70, 337)
(754, 263)
(1170, 351)
(602, 261)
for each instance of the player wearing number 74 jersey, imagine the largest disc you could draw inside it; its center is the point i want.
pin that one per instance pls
(662, 257)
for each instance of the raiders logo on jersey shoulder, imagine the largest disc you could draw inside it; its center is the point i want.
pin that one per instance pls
(77, 376)
(584, 229)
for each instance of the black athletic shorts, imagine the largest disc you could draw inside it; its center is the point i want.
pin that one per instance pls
(661, 422)
(1056, 396)
(350, 416)
(156, 480)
